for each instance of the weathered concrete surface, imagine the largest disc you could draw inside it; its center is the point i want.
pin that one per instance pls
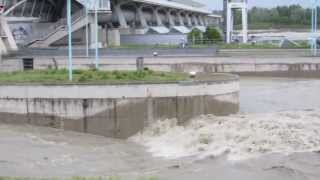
(250, 65)
(117, 110)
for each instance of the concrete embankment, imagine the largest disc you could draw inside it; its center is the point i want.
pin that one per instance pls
(265, 66)
(117, 110)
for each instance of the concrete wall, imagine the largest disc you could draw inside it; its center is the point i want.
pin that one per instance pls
(287, 67)
(151, 39)
(116, 110)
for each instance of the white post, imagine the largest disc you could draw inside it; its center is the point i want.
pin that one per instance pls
(69, 39)
(87, 32)
(229, 21)
(315, 28)
(244, 24)
(97, 35)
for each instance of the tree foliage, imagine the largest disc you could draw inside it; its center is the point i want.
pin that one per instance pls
(195, 34)
(212, 34)
(281, 15)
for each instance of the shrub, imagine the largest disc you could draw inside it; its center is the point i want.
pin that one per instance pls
(212, 34)
(86, 76)
(195, 35)
(140, 74)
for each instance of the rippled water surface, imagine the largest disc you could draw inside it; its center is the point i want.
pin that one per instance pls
(261, 95)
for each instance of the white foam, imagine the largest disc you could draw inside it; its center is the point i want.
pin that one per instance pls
(242, 136)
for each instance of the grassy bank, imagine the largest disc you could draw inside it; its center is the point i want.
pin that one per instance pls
(300, 45)
(257, 26)
(89, 76)
(137, 46)
(247, 46)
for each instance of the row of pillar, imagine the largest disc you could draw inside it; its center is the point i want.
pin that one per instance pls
(191, 18)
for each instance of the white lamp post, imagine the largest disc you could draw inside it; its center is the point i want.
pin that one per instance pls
(70, 68)
(97, 34)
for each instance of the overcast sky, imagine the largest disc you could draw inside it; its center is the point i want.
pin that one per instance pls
(213, 4)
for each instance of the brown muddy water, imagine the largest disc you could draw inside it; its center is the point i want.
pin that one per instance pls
(275, 136)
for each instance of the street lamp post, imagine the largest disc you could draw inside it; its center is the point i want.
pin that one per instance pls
(314, 27)
(87, 31)
(97, 34)
(70, 68)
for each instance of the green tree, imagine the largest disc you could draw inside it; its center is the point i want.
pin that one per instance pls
(212, 34)
(195, 36)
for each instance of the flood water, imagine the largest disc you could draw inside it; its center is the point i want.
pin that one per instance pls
(275, 136)
(261, 95)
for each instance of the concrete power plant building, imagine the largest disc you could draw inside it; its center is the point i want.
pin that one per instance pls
(42, 23)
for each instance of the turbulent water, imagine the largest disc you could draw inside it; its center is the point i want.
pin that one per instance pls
(278, 118)
(251, 134)
(241, 136)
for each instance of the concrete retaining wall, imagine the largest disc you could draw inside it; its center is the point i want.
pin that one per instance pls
(152, 39)
(116, 110)
(299, 67)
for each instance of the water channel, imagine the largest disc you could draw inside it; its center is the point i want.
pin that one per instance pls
(275, 135)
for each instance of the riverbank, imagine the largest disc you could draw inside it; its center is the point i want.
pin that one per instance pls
(91, 76)
(60, 153)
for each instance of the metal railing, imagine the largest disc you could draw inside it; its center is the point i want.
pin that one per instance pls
(57, 26)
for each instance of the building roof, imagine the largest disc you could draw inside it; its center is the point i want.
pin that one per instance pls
(176, 5)
(188, 5)
(159, 29)
(181, 29)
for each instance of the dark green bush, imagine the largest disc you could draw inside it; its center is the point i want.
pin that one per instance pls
(195, 35)
(212, 34)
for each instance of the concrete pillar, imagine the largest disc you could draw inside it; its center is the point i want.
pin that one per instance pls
(121, 18)
(10, 41)
(195, 20)
(232, 22)
(181, 21)
(200, 20)
(157, 17)
(242, 5)
(170, 18)
(228, 28)
(114, 37)
(3, 48)
(205, 20)
(103, 36)
(245, 25)
(141, 17)
(189, 21)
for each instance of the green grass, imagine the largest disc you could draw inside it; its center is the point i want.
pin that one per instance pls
(301, 45)
(89, 76)
(136, 46)
(247, 46)
(256, 26)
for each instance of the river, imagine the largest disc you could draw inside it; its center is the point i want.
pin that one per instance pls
(275, 136)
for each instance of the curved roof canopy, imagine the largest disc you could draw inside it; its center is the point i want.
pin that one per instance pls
(165, 3)
(176, 5)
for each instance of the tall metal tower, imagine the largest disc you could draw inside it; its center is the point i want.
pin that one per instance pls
(314, 26)
(229, 7)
